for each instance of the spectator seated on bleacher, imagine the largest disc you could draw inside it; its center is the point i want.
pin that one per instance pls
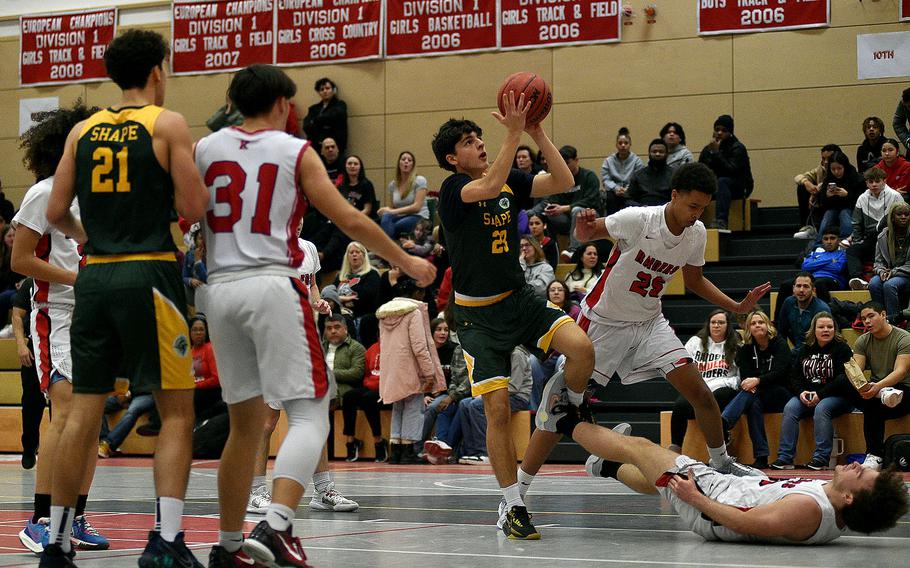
(807, 186)
(892, 262)
(836, 199)
(136, 405)
(869, 152)
(357, 188)
(8, 278)
(819, 384)
(346, 356)
(542, 370)
(537, 272)
(195, 273)
(651, 184)
(443, 412)
(729, 160)
(408, 199)
(796, 312)
(885, 351)
(827, 264)
(409, 367)
(896, 168)
(764, 362)
(207, 400)
(537, 228)
(713, 351)
(474, 420)
(357, 284)
(445, 348)
(420, 242)
(588, 268)
(616, 172)
(871, 207)
(364, 397)
(675, 137)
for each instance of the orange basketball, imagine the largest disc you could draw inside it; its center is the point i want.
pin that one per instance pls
(535, 90)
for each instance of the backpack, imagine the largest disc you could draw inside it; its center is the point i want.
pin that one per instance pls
(897, 451)
(210, 436)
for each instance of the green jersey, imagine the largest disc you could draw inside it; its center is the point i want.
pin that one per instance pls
(126, 198)
(482, 239)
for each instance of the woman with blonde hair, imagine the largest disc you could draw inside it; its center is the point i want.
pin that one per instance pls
(357, 284)
(408, 195)
(764, 363)
(538, 273)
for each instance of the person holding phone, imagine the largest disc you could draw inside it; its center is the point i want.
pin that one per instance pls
(844, 186)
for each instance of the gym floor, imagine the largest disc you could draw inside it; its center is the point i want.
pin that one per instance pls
(439, 516)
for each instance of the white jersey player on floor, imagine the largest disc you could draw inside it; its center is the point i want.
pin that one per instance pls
(622, 312)
(725, 507)
(261, 321)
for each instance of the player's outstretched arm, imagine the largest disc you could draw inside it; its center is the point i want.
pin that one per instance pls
(696, 282)
(489, 186)
(559, 179)
(191, 196)
(796, 517)
(325, 196)
(590, 227)
(64, 191)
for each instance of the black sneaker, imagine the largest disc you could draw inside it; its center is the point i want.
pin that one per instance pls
(54, 557)
(781, 464)
(275, 548)
(760, 462)
(517, 525)
(160, 553)
(382, 451)
(817, 464)
(219, 557)
(29, 457)
(353, 450)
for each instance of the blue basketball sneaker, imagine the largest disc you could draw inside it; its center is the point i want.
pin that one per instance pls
(86, 537)
(35, 536)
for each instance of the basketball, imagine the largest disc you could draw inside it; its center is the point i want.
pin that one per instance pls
(535, 90)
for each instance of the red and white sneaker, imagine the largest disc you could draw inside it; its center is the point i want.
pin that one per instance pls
(437, 451)
(274, 548)
(221, 558)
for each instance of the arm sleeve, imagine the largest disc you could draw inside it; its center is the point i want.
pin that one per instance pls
(460, 386)
(899, 123)
(797, 379)
(609, 183)
(419, 346)
(208, 370)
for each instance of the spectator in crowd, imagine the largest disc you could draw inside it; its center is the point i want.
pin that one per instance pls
(896, 168)
(365, 398)
(885, 351)
(616, 172)
(588, 268)
(207, 399)
(902, 119)
(32, 401)
(445, 411)
(807, 187)
(541, 162)
(328, 118)
(542, 370)
(558, 293)
(357, 283)
(524, 161)
(537, 272)
(409, 368)
(357, 188)
(136, 405)
(473, 417)
(343, 354)
(713, 350)
(333, 160)
(537, 227)
(408, 195)
(763, 361)
(195, 273)
(871, 207)
(445, 290)
(828, 266)
(651, 185)
(817, 380)
(389, 281)
(561, 208)
(729, 160)
(420, 242)
(7, 210)
(445, 348)
(8, 279)
(836, 200)
(674, 136)
(892, 263)
(869, 152)
(797, 311)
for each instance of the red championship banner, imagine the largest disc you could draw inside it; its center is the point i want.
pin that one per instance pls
(543, 23)
(744, 16)
(328, 31)
(438, 27)
(905, 10)
(65, 47)
(214, 36)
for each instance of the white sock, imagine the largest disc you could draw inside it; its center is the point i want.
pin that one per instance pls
(323, 481)
(279, 517)
(258, 481)
(61, 526)
(230, 540)
(169, 516)
(513, 496)
(524, 482)
(575, 398)
(719, 454)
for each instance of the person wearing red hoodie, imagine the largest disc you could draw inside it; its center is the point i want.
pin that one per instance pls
(896, 168)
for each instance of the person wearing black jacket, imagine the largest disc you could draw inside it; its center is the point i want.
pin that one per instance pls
(651, 184)
(764, 363)
(869, 152)
(837, 197)
(818, 381)
(328, 118)
(729, 160)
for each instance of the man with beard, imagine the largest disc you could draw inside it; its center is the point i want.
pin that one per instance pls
(797, 311)
(651, 185)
